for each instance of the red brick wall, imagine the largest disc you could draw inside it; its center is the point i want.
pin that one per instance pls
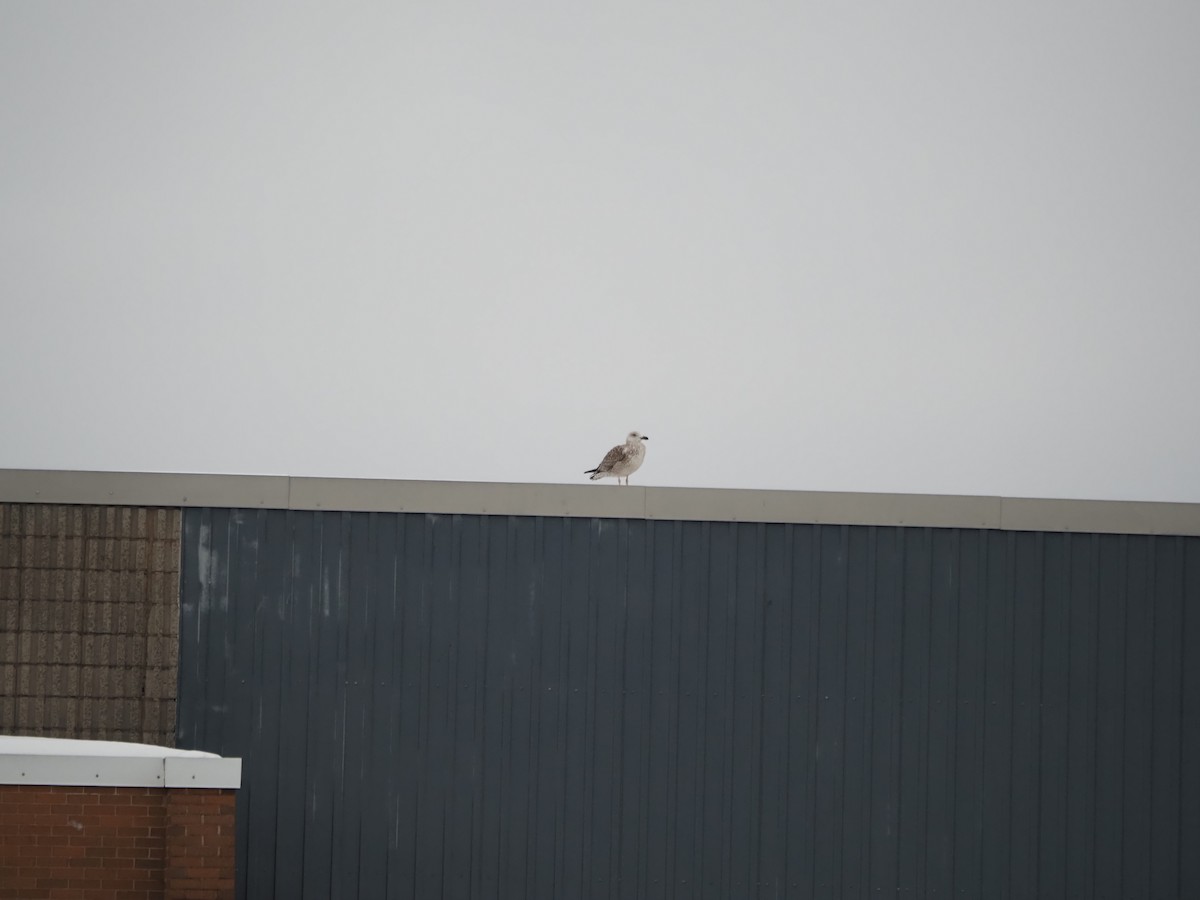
(200, 844)
(77, 843)
(81, 843)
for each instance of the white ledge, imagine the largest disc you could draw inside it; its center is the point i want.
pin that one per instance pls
(64, 762)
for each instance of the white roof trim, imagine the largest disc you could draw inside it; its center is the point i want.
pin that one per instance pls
(54, 761)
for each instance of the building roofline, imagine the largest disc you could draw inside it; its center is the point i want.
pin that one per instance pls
(596, 501)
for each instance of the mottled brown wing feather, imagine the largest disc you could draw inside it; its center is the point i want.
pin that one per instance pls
(613, 457)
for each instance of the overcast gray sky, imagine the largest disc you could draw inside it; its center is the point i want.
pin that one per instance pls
(918, 247)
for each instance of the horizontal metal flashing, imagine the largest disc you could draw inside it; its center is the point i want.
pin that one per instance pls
(597, 501)
(121, 771)
(142, 488)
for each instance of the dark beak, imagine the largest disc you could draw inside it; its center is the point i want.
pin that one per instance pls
(644, 438)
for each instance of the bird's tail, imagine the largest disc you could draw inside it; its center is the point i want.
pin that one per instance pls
(596, 471)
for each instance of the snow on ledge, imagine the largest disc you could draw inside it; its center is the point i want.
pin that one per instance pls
(39, 746)
(61, 761)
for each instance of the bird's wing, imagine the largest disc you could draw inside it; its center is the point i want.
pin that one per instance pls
(613, 457)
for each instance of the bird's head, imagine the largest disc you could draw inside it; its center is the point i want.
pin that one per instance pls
(635, 436)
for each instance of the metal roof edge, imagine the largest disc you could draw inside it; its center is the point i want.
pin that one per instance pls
(121, 771)
(1099, 516)
(597, 501)
(470, 497)
(143, 488)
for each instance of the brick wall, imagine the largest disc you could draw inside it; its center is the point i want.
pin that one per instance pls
(200, 844)
(92, 843)
(89, 613)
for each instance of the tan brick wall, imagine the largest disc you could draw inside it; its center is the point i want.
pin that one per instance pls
(103, 843)
(89, 618)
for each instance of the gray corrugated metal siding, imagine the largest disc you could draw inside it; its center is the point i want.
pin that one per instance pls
(473, 706)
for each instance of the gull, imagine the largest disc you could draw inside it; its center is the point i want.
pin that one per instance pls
(622, 460)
